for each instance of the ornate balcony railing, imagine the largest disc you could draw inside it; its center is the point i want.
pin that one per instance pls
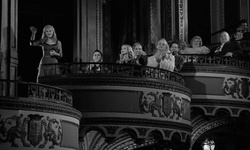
(10, 88)
(217, 60)
(215, 64)
(110, 69)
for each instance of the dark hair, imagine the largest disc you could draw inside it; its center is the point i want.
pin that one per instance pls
(98, 51)
(135, 44)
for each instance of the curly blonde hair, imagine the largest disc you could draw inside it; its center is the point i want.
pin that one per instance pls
(44, 37)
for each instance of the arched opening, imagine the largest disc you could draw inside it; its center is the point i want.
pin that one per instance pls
(231, 136)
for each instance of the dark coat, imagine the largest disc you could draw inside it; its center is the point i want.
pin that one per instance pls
(231, 46)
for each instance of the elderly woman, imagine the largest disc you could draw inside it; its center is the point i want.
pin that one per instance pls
(196, 47)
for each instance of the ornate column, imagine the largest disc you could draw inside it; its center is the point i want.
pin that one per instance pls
(183, 20)
(88, 31)
(99, 24)
(154, 27)
(8, 50)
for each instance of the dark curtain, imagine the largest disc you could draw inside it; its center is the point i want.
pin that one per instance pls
(127, 23)
(166, 31)
(144, 25)
(123, 24)
(1, 20)
(232, 15)
(199, 20)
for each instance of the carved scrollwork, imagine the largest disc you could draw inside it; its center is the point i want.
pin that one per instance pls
(18, 127)
(163, 105)
(237, 88)
(13, 128)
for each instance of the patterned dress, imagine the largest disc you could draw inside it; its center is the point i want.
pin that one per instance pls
(47, 58)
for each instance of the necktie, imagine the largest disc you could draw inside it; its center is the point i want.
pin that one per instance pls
(218, 49)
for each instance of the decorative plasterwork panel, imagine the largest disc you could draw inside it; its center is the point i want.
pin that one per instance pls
(39, 106)
(33, 130)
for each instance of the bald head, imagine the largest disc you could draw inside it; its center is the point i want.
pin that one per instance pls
(224, 37)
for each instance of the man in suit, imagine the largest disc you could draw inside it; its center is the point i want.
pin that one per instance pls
(228, 48)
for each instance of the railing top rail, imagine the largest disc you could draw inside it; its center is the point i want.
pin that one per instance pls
(12, 88)
(210, 60)
(110, 69)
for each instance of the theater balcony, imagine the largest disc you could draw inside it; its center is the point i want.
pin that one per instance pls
(220, 92)
(37, 116)
(126, 106)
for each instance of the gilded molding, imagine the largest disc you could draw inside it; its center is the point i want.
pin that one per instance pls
(211, 107)
(181, 20)
(38, 106)
(153, 26)
(99, 15)
(97, 23)
(117, 81)
(220, 102)
(136, 122)
(114, 130)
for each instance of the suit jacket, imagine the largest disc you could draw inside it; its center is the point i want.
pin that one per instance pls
(246, 36)
(231, 46)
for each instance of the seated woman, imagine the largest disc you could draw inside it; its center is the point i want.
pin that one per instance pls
(127, 55)
(162, 58)
(196, 47)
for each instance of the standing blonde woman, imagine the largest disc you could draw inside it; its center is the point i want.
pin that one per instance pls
(51, 46)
